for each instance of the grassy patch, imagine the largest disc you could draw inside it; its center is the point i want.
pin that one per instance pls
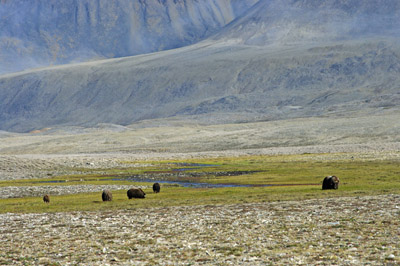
(170, 196)
(294, 177)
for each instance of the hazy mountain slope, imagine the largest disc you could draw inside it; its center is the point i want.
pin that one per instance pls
(223, 84)
(45, 32)
(288, 22)
(219, 81)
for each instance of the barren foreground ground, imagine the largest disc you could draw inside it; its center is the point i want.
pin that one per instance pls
(360, 230)
(346, 231)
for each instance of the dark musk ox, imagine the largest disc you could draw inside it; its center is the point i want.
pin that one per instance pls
(46, 198)
(106, 195)
(136, 193)
(330, 182)
(156, 187)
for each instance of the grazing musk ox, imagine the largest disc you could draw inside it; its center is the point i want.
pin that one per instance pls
(156, 187)
(106, 195)
(46, 198)
(330, 182)
(136, 193)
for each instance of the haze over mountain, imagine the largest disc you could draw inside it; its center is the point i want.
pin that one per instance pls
(289, 22)
(49, 32)
(278, 60)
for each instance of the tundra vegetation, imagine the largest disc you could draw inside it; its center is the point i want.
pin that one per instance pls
(247, 179)
(291, 222)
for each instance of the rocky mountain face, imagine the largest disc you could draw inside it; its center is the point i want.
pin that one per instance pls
(279, 60)
(50, 32)
(292, 22)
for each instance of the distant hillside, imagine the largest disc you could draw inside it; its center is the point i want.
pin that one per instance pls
(213, 84)
(48, 32)
(228, 78)
(290, 22)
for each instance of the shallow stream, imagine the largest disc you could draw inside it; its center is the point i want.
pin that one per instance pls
(178, 177)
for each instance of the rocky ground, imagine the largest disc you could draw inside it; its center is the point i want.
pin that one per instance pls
(346, 231)
(27, 166)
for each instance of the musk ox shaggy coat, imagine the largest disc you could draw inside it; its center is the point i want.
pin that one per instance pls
(330, 182)
(106, 195)
(46, 198)
(156, 187)
(136, 193)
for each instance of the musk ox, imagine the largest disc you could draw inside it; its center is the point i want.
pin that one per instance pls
(106, 195)
(156, 187)
(330, 182)
(135, 193)
(46, 198)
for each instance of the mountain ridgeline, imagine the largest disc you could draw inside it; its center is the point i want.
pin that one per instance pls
(50, 32)
(288, 22)
(278, 59)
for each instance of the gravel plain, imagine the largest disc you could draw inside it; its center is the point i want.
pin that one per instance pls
(361, 230)
(347, 231)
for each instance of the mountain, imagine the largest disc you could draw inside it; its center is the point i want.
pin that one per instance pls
(50, 32)
(292, 22)
(273, 62)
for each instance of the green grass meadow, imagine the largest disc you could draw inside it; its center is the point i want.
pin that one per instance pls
(291, 177)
